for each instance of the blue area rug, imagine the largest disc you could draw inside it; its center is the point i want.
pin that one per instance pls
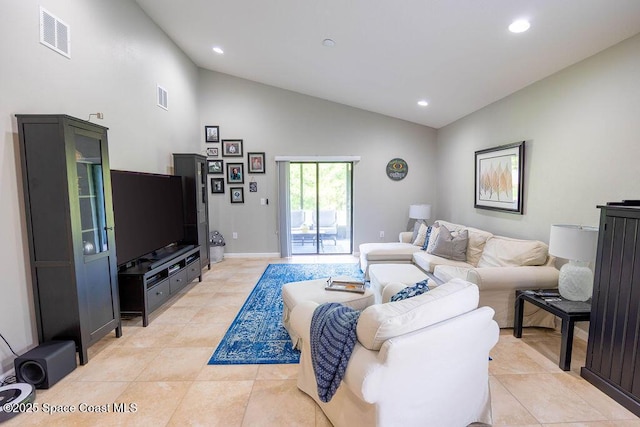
(257, 336)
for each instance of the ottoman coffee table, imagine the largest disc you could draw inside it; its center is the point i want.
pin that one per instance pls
(313, 290)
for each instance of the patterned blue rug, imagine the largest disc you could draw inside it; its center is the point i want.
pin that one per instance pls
(257, 336)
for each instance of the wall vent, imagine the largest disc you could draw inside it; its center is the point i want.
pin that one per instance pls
(163, 98)
(54, 33)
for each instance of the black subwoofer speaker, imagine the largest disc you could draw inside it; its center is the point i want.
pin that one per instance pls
(46, 364)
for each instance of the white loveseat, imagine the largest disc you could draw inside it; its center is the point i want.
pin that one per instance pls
(498, 265)
(418, 362)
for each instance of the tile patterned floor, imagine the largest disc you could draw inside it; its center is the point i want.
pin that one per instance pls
(163, 370)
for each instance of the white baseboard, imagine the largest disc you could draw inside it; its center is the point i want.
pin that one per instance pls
(253, 255)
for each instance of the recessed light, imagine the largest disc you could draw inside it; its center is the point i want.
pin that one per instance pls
(218, 50)
(423, 103)
(519, 26)
(328, 43)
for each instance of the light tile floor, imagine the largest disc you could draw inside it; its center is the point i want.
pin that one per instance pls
(162, 370)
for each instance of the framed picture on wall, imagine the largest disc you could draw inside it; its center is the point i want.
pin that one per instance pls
(215, 167)
(255, 162)
(212, 152)
(217, 185)
(499, 174)
(237, 194)
(232, 148)
(212, 134)
(235, 173)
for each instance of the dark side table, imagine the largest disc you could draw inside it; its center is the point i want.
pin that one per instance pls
(569, 311)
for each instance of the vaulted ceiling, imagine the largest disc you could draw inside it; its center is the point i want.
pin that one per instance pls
(457, 55)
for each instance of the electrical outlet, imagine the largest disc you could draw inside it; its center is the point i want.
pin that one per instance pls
(235, 235)
(382, 234)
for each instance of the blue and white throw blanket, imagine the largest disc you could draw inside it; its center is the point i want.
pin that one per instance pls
(333, 336)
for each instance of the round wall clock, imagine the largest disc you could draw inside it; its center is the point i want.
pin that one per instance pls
(397, 169)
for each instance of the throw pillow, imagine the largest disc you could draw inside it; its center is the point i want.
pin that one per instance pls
(426, 238)
(435, 230)
(411, 291)
(451, 246)
(422, 234)
(416, 229)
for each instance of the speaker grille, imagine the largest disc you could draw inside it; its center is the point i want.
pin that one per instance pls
(32, 372)
(54, 33)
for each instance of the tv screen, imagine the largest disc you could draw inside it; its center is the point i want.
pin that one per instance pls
(148, 213)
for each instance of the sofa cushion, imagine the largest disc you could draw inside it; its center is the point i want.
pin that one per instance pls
(423, 232)
(390, 251)
(450, 272)
(381, 322)
(428, 262)
(477, 240)
(506, 252)
(451, 245)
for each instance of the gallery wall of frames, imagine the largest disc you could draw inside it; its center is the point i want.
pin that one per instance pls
(227, 167)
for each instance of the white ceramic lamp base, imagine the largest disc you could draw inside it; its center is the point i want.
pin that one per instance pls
(576, 281)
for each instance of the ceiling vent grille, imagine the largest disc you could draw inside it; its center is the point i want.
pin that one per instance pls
(163, 98)
(54, 33)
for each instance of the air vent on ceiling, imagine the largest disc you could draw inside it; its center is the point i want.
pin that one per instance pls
(54, 33)
(163, 98)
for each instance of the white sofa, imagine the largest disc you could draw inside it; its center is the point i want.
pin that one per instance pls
(418, 362)
(498, 265)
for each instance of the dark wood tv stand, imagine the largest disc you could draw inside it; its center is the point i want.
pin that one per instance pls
(151, 281)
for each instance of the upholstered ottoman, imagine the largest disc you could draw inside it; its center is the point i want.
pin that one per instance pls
(313, 290)
(383, 274)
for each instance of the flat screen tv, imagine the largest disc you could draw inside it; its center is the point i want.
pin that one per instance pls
(148, 213)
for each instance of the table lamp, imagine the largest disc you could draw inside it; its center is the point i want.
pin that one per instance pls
(418, 213)
(577, 244)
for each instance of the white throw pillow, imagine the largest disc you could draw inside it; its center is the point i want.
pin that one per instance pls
(422, 235)
(506, 252)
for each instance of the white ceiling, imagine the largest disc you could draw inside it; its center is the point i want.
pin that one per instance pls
(457, 54)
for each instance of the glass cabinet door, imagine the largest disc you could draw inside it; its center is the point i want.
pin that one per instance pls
(91, 195)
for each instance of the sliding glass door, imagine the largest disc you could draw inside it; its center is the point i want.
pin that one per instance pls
(320, 202)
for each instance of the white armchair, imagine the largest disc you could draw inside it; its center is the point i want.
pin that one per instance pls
(418, 362)
(327, 224)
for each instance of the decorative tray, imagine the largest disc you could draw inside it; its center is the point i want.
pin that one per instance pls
(345, 285)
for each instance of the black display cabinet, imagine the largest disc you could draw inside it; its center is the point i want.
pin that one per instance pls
(69, 216)
(193, 169)
(613, 359)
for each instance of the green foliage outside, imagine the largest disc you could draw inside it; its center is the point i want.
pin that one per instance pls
(333, 190)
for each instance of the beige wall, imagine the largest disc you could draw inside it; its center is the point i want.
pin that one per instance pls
(280, 123)
(118, 56)
(582, 137)
(580, 125)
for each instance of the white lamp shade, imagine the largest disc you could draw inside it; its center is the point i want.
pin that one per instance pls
(420, 211)
(573, 242)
